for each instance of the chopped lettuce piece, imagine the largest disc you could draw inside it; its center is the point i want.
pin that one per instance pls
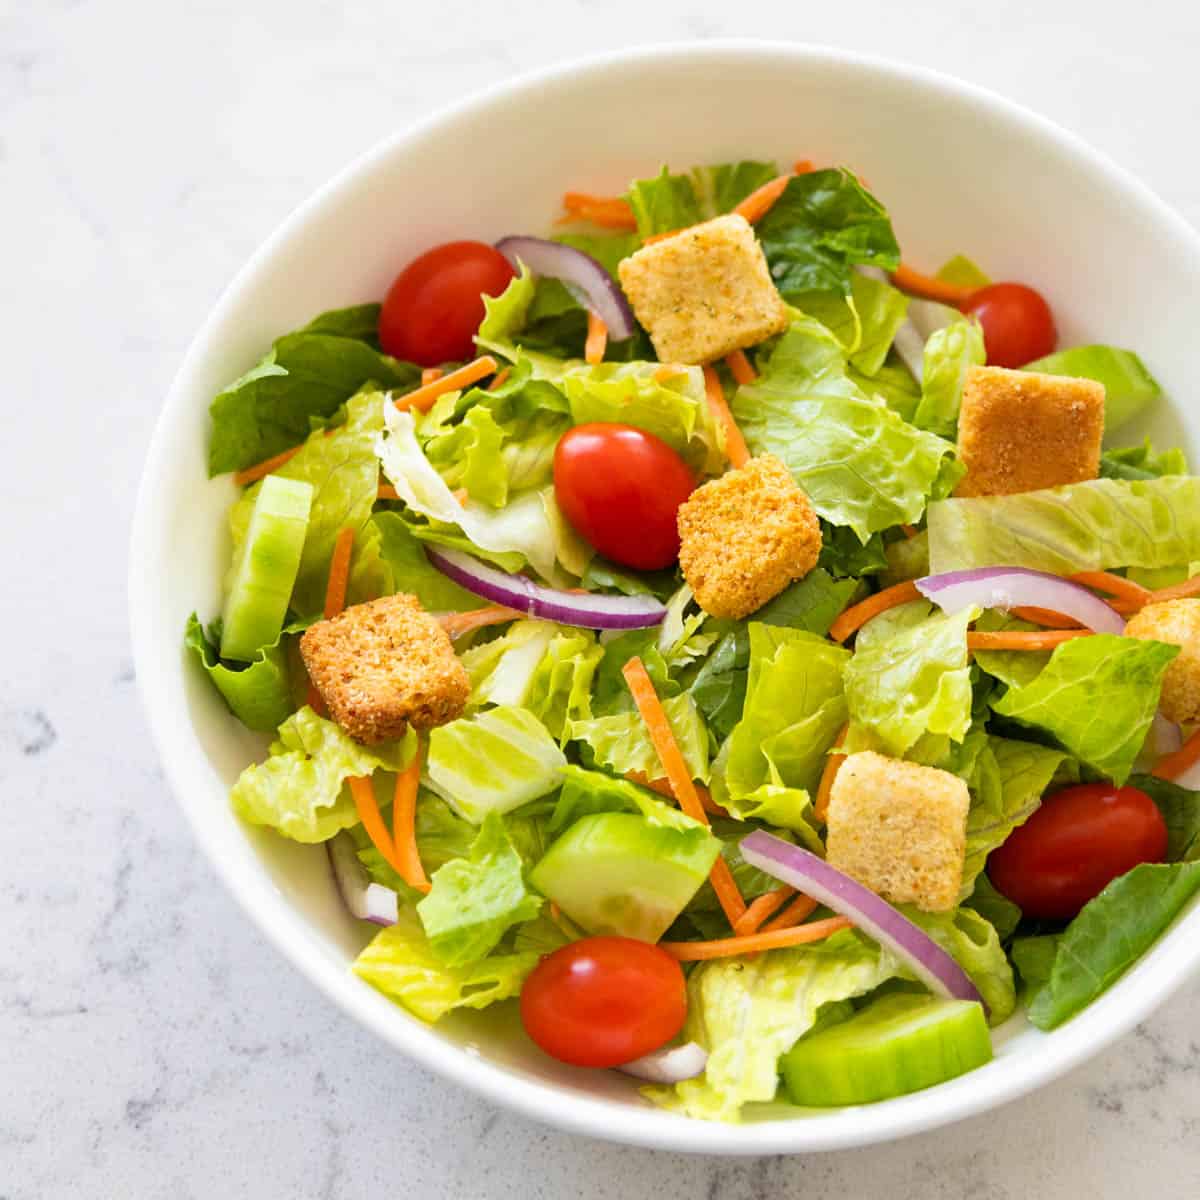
(306, 374)
(860, 464)
(1014, 668)
(1090, 526)
(1033, 958)
(864, 322)
(501, 671)
(475, 900)
(961, 270)
(663, 203)
(999, 911)
(812, 603)
(1141, 462)
(493, 761)
(1180, 808)
(722, 188)
(1128, 385)
(587, 792)
(892, 384)
(400, 963)
(411, 571)
(844, 556)
(604, 576)
(621, 743)
(907, 558)
(1096, 697)
(610, 693)
(299, 789)
(719, 688)
(1111, 933)
(948, 353)
(467, 455)
(561, 688)
(824, 223)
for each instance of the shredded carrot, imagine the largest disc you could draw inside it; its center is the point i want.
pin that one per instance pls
(315, 700)
(1178, 591)
(500, 378)
(759, 909)
(931, 288)
(909, 531)
(735, 444)
(387, 492)
(367, 805)
(1046, 618)
(1114, 585)
(803, 166)
(612, 212)
(663, 788)
(256, 472)
(423, 398)
(833, 763)
(799, 910)
(662, 237)
(774, 940)
(857, 615)
(597, 339)
(339, 573)
(456, 624)
(740, 368)
(668, 371)
(1041, 640)
(662, 737)
(760, 201)
(431, 375)
(461, 495)
(404, 825)
(1171, 766)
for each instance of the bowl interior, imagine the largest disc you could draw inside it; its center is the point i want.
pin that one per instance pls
(960, 172)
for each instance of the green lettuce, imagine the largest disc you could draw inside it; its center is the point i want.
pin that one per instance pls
(907, 558)
(845, 556)
(1110, 933)
(1014, 668)
(1141, 462)
(493, 761)
(1090, 526)
(962, 271)
(501, 671)
(999, 911)
(910, 675)
(401, 964)
(504, 320)
(409, 570)
(861, 465)
(621, 743)
(441, 836)
(299, 789)
(824, 223)
(1128, 385)
(949, 351)
(610, 692)
(475, 900)
(864, 322)
(560, 691)
(306, 374)
(587, 792)
(468, 456)
(666, 202)
(719, 688)
(1180, 808)
(1096, 697)
(812, 603)
(892, 384)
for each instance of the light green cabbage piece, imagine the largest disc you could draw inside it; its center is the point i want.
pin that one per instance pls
(493, 761)
(298, 790)
(621, 743)
(949, 351)
(861, 464)
(476, 899)
(865, 322)
(911, 676)
(1090, 526)
(400, 963)
(747, 1012)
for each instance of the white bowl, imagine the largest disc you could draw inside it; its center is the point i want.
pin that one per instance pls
(960, 169)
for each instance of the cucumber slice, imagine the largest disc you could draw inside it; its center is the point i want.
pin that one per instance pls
(265, 571)
(896, 1045)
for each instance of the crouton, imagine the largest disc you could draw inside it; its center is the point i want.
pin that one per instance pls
(704, 292)
(746, 536)
(383, 666)
(899, 828)
(1176, 622)
(1019, 431)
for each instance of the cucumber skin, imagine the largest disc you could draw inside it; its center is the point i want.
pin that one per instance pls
(894, 1046)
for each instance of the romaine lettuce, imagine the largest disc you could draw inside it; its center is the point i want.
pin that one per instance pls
(1141, 462)
(948, 353)
(560, 690)
(1128, 386)
(587, 792)
(999, 911)
(621, 743)
(665, 203)
(411, 571)
(864, 322)
(501, 671)
(1180, 808)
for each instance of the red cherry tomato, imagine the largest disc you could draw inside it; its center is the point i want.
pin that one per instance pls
(621, 488)
(1018, 325)
(433, 310)
(603, 1001)
(1078, 841)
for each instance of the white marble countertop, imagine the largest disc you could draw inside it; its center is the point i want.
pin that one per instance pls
(152, 1045)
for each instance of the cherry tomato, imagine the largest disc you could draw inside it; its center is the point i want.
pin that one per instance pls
(621, 489)
(433, 310)
(603, 1001)
(1078, 841)
(1018, 325)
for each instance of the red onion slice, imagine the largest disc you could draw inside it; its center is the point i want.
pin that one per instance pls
(872, 914)
(583, 276)
(366, 900)
(671, 1064)
(586, 610)
(1017, 587)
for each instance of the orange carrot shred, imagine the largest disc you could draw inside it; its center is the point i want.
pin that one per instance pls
(1114, 585)
(803, 166)
(1045, 639)
(663, 788)
(431, 375)
(930, 287)
(612, 212)
(773, 940)
(387, 492)
(1171, 766)
(339, 573)
(500, 379)
(461, 495)
(833, 763)
(857, 615)
(315, 700)
(1046, 618)
(668, 371)
(367, 805)
(424, 397)
(762, 907)
(799, 910)
(1177, 591)
(759, 202)
(909, 531)
(740, 368)
(597, 339)
(404, 825)
(735, 444)
(456, 624)
(256, 472)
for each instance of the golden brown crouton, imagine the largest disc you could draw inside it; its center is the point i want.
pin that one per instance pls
(704, 291)
(1019, 431)
(899, 828)
(746, 536)
(383, 666)
(1177, 622)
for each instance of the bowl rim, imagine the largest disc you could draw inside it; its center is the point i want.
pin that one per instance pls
(1065, 1048)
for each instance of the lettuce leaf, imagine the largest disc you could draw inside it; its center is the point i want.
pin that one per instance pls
(493, 761)
(299, 789)
(1141, 462)
(961, 270)
(400, 963)
(719, 688)
(1090, 526)
(409, 570)
(560, 691)
(1110, 933)
(861, 465)
(467, 455)
(972, 942)
(476, 899)
(824, 223)
(999, 911)
(812, 603)
(586, 792)
(1180, 808)
(911, 676)
(621, 743)
(306, 374)
(501, 671)
(864, 322)
(665, 202)
(948, 353)
(1128, 385)
(1096, 697)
